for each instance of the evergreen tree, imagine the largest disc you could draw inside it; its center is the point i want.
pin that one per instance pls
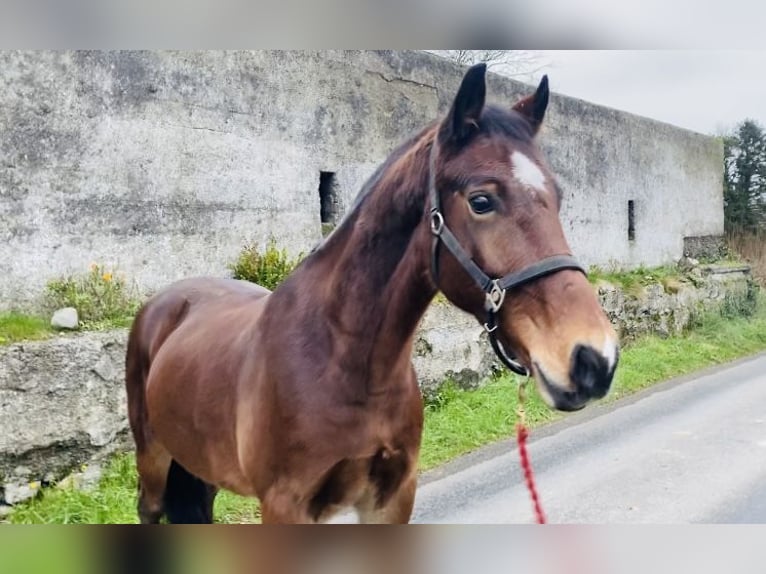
(745, 178)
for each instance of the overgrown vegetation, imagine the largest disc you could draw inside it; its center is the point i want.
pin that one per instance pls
(736, 305)
(456, 421)
(633, 281)
(105, 300)
(268, 268)
(102, 297)
(751, 247)
(716, 339)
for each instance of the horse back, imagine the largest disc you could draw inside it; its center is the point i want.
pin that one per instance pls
(168, 308)
(178, 349)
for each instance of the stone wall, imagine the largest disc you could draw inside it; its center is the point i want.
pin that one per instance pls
(706, 247)
(62, 401)
(165, 163)
(62, 404)
(667, 309)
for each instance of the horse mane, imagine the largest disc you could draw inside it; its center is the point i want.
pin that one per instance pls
(494, 121)
(497, 120)
(385, 170)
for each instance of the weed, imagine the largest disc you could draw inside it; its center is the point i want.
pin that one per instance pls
(267, 269)
(740, 304)
(102, 297)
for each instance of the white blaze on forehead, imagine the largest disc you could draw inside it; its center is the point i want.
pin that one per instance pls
(527, 172)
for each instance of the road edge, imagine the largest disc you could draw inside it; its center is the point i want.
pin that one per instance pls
(508, 444)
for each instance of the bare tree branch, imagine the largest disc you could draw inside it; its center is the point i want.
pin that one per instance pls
(512, 63)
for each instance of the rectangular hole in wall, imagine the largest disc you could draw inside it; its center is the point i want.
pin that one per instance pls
(329, 201)
(631, 220)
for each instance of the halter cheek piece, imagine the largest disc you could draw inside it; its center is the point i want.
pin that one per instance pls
(494, 289)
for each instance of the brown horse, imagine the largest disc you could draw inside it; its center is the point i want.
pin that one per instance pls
(306, 397)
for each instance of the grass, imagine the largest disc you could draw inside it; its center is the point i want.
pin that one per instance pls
(633, 281)
(456, 421)
(114, 501)
(459, 421)
(63, 551)
(16, 327)
(103, 300)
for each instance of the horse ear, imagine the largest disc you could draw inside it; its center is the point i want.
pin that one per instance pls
(463, 117)
(533, 107)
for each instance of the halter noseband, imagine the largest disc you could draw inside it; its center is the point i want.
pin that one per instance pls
(494, 289)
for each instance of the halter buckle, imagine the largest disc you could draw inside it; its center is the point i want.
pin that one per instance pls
(495, 297)
(437, 222)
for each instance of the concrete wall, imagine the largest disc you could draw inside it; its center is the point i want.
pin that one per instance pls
(164, 164)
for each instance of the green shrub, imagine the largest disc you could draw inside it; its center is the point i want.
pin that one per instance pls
(101, 297)
(740, 305)
(267, 269)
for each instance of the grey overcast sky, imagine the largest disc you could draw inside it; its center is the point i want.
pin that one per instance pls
(705, 91)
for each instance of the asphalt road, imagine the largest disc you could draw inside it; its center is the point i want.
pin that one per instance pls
(692, 450)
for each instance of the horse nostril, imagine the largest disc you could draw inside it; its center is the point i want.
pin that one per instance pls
(590, 371)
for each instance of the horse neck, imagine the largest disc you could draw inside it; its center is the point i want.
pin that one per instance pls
(379, 283)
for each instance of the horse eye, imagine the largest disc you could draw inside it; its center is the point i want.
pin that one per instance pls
(481, 204)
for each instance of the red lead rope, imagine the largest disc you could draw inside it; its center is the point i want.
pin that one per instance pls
(521, 437)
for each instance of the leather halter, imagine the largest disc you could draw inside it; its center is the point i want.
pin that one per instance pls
(494, 288)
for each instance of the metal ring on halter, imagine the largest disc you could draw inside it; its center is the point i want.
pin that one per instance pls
(507, 359)
(494, 298)
(437, 222)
